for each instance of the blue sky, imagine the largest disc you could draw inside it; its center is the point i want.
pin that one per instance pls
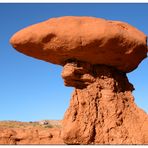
(31, 89)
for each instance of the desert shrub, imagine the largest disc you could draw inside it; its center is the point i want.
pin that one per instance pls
(48, 126)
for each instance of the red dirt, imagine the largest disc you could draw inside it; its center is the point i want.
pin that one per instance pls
(29, 134)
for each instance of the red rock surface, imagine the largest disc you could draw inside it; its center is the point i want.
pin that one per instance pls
(102, 108)
(89, 39)
(30, 136)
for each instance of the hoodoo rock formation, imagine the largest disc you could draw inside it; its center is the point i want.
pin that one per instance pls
(95, 54)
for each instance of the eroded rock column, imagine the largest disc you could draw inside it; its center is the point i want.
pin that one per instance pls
(102, 109)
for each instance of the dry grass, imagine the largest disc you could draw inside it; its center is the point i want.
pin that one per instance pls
(18, 124)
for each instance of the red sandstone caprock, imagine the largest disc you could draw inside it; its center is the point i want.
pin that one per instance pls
(96, 55)
(88, 39)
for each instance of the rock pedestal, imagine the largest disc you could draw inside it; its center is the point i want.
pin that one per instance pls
(102, 108)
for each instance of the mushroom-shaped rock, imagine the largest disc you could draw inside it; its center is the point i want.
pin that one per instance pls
(96, 55)
(88, 39)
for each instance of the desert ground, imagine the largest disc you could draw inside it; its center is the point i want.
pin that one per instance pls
(38, 132)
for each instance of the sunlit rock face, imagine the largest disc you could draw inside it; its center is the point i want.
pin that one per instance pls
(102, 108)
(95, 54)
(89, 39)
